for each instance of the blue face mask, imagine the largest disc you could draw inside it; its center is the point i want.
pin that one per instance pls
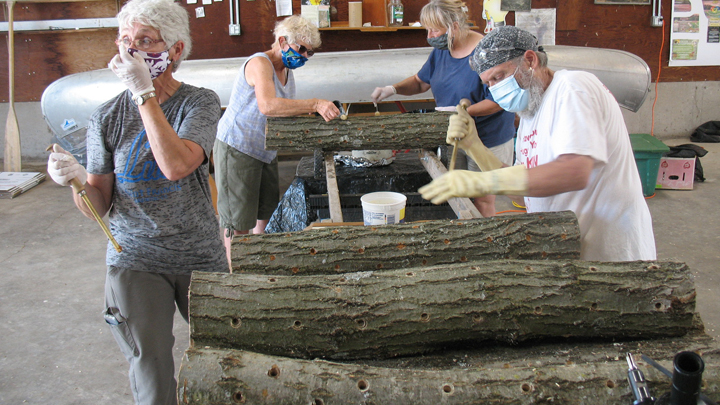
(292, 59)
(509, 95)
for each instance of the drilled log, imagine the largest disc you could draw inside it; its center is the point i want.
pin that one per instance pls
(553, 235)
(587, 374)
(392, 131)
(425, 309)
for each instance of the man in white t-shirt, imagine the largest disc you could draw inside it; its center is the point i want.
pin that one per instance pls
(573, 150)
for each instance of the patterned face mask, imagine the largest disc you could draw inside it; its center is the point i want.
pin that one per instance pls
(157, 62)
(292, 59)
(440, 43)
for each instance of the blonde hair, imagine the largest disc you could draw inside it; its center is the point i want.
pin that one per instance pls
(444, 14)
(296, 28)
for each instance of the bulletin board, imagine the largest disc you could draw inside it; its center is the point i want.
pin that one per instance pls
(695, 33)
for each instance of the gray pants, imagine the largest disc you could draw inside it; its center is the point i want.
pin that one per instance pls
(140, 307)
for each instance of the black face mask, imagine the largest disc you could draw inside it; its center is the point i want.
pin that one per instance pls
(440, 42)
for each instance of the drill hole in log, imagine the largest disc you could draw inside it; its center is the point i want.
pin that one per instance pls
(526, 387)
(318, 401)
(297, 325)
(425, 317)
(410, 274)
(659, 306)
(274, 371)
(593, 268)
(478, 319)
(448, 389)
(594, 306)
(313, 251)
(271, 280)
(363, 385)
(528, 268)
(610, 383)
(238, 398)
(235, 322)
(361, 323)
(538, 310)
(653, 267)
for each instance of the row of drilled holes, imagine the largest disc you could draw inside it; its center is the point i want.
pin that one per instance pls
(363, 386)
(424, 317)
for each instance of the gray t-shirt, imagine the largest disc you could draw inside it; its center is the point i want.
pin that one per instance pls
(163, 226)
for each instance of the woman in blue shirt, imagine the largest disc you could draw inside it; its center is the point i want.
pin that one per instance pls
(447, 72)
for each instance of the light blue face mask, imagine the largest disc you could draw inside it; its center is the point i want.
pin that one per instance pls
(509, 95)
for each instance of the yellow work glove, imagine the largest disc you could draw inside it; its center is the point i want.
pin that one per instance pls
(463, 183)
(461, 127)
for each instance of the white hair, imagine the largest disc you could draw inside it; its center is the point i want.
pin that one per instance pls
(296, 28)
(169, 18)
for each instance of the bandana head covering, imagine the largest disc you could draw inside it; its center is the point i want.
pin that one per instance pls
(502, 44)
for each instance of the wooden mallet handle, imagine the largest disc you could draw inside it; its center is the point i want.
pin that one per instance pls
(464, 103)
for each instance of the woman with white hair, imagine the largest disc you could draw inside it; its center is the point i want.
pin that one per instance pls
(148, 167)
(245, 173)
(447, 71)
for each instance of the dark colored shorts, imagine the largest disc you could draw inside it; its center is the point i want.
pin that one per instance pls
(248, 189)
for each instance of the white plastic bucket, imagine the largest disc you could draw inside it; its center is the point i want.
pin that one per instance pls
(383, 207)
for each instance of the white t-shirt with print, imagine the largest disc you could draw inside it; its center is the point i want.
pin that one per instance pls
(579, 115)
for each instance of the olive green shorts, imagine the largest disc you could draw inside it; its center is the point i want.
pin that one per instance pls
(248, 189)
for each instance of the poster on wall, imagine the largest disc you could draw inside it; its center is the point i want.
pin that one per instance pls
(695, 33)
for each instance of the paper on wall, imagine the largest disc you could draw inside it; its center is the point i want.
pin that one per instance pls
(283, 7)
(540, 22)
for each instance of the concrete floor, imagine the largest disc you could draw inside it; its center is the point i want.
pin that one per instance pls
(56, 349)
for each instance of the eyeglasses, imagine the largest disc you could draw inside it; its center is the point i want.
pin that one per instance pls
(302, 49)
(140, 44)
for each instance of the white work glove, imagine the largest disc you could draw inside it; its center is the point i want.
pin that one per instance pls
(133, 71)
(463, 183)
(381, 93)
(461, 127)
(63, 167)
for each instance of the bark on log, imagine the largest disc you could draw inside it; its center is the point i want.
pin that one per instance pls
(553, 235)
(420, 310)
(584, 374)
(394, 131)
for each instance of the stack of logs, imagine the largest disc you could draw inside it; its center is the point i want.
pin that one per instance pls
(495, 310)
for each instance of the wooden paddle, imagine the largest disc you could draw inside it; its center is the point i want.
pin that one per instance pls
(12, 130)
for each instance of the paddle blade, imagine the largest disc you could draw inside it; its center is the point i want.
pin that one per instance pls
(12, 143)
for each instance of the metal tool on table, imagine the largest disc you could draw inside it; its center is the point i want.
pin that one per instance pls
(464, 103)
(638, 384)
(686, 379)
(79, 188)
